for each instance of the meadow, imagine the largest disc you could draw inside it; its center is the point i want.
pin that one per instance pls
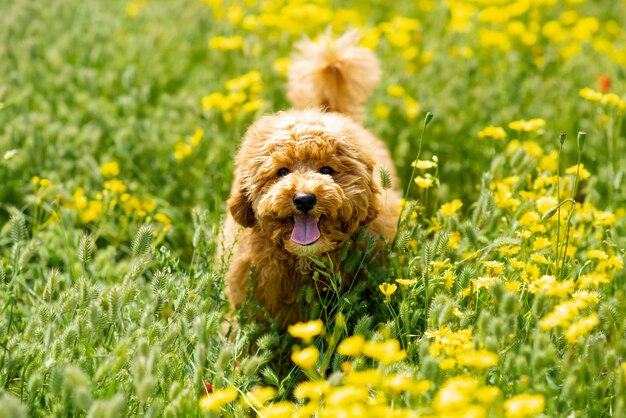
(503, 294)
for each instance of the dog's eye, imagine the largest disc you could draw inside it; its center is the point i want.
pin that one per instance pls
(283, 172)
(326, 170)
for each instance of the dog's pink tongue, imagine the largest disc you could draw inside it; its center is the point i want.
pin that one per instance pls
(305, 230)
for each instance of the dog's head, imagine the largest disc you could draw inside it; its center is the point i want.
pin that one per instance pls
(304, 180)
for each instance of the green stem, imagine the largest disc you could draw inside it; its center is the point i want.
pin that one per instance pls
(558, 210)
(571, 212)
(427, 120)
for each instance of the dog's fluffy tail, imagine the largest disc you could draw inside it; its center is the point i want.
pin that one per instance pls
(335, 74)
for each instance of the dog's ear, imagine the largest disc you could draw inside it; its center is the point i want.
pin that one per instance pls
(239, 206)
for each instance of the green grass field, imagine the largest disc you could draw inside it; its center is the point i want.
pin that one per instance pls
(503, 295)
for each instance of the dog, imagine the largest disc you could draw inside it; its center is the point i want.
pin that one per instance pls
(307, 179)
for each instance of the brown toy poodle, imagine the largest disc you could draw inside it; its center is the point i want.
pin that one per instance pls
(307, 179)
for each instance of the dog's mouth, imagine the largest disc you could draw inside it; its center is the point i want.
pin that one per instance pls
(305, 229)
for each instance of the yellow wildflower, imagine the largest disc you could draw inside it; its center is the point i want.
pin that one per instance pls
(388, 289)
(395, 90)
(115, 185)
(311, 389)
(282, 409)
(351, 346)
(597, 255)
(399, 382)
(212, 101)
(590, 94)
(381, 111)
(258, 396)
(525, 405)
(347, 394)
(306, 330)
(527, 125)
(182, 151)
(216, 400)
(455, 394)
(110, 169)
(494, 132)
(581, 327)
(412, 107)
(197, 137)
(424, 182)
(370, 377)
(479, 359)
(451, 208)
(226, 43)
(386, 352)
(406, 282)
(423, 164)
(493, 267)
(482, 282)
(583, 173)
(305, 358)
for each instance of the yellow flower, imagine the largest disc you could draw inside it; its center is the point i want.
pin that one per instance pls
(386, 352)
(583, 173)
(561, 315)
(197, 137)
(590, 94)
(212, 101)
(306, 330)
(451, 208)
(482, 282)
(258, 396)
(110, 169)
(395, 90)
(406, 282)
(381, 111)
(226, 43)
(494, 132)
(182, 151)
(44, 183)
(423, 164)
(597, 255)
(399, 383)
(351, 346)
(311, 389)
(216, 400)
(424, 182)
(480, 359)
(281, 65)
(162, 218)
(115, 185)
(305, 358)
(388, 289)
(493, 267)
(527, 125)
(252, 105)
(581, 327)
(513, 286)
(412, 107)
(509, 250)
(347, 394)
(455, 394)
(370, 377)
(524, 405)
(282, 409)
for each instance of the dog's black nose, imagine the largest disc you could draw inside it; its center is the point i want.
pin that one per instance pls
(304, 201)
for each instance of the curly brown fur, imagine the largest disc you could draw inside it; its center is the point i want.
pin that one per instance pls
(301, 143)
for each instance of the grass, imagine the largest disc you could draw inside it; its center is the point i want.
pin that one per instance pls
(118, 123)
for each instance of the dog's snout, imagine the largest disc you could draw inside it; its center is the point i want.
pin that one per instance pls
(304, 201)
